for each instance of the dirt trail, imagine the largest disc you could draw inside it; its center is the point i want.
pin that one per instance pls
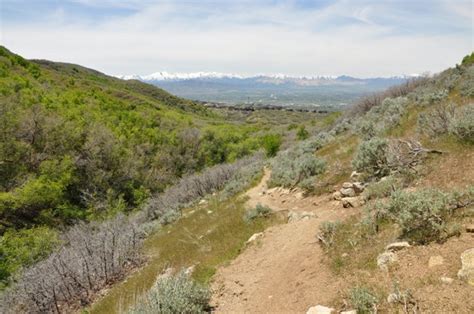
(282, 272)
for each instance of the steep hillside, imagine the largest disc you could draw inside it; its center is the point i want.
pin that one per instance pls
(76, 143)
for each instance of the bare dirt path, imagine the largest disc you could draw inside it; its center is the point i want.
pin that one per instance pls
(282, 272)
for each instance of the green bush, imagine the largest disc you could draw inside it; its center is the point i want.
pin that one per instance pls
(371, 157)
(259, 211)
(174, 294)
(271, 143)
(363, 299)
(468, 60)
(21, 248)
(302, 133)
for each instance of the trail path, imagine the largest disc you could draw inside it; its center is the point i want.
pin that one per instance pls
(282, 272)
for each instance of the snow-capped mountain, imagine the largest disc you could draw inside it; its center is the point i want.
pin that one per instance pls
(267, 88)
(177, 76)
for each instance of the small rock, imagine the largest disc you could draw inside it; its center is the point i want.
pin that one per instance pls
(393, 298)
(397, 246)
(254, 237)
(347, 185)
(466, 273)
(349, 312)
(355, 201)
(189, 271)
(299, 195)
(337, 196)
(446, 280)
(358, 187)
(385, 259)
(319, 309)
(209, 212)
(202, 202)
(470, 228)
(344, 255)
(347, 192)
(355, 175)
(435, 261)
(295, 216)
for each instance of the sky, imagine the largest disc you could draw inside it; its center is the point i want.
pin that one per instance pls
(363, 38)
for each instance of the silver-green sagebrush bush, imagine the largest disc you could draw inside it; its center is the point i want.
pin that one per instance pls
(462, 124)
(256, 212)
(363, 299)
(293, 167)
(371, 157)
(174, 294)
(425, 215)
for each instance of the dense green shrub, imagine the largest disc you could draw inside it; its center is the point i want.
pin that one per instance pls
(259, 211)
(24, 247)
(174, 294)
(371, 157)
(468, 59)
(364, 300)
(302, 133)
(271, 143)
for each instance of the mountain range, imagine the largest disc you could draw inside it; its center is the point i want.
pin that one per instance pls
(275, 89)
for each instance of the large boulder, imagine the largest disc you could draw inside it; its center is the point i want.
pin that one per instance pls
(466, 273)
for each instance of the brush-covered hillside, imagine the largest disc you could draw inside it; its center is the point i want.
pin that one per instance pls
(379, 209)
(77, 145)
(370, 209)
(386, 221)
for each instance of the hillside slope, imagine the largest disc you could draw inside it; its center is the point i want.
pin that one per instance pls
(400, 166)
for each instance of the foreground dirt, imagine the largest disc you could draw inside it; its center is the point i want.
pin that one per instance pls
(285, 272)
(282, 271)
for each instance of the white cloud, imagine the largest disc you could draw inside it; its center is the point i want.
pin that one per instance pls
(242, 38)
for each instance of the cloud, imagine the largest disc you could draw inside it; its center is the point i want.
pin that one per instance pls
(363, 38)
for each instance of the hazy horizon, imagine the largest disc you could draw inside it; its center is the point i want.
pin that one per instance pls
(299, 38)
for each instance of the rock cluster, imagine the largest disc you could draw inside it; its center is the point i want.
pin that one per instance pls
(349, 194)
